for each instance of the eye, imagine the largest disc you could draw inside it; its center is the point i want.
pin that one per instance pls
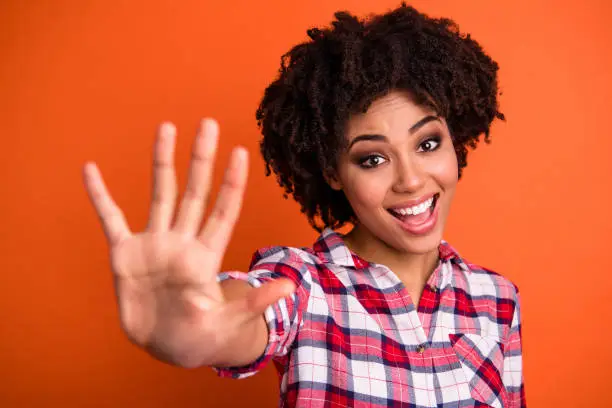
(430, 144)
(372, 161)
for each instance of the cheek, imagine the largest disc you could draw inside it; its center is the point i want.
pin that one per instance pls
(445, 169)
(366, 190)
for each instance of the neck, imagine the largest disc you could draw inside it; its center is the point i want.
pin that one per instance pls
(412, 268)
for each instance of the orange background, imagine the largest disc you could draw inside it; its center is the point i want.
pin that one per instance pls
(83, 80)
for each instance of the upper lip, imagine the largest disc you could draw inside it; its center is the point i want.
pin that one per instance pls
(413, 202)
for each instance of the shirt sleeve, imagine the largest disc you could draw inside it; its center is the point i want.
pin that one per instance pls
(513, 360)
(283, 318)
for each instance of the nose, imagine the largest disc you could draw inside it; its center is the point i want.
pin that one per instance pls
(409, 177)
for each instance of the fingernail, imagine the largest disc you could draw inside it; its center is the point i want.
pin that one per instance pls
(209, 125)
(289, 288)
(240, 154)
(168, 129)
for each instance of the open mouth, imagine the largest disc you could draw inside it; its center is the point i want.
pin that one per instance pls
(418, 213)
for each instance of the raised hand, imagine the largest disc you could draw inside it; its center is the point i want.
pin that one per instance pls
(165, 277)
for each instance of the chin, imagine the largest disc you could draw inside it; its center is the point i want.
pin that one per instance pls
(418, 244)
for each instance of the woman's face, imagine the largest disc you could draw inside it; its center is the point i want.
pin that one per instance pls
(399, 173)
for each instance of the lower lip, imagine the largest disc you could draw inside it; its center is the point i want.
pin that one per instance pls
(424, 227)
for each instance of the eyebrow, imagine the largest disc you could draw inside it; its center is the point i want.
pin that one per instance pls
(412, 130)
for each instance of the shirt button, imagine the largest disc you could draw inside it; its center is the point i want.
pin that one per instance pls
(420, 348)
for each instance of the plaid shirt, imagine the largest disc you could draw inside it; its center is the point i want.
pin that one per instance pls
(350, 335)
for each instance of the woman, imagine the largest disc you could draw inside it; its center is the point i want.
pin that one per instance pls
(368, 123)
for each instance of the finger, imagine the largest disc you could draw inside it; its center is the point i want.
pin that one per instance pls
(219, 226)
(193, 203)
(258, 299)
(112, 219)
(164, 179)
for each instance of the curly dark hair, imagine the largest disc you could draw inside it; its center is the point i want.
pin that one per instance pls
(341, 70)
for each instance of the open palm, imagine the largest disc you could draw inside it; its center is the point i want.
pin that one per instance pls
(165, 276)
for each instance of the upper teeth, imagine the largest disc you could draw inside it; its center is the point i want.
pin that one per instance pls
(417, 209)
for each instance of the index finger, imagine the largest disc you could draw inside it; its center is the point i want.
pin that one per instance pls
(112, 219)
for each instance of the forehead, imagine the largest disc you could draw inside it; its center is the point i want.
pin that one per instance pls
(394, 111)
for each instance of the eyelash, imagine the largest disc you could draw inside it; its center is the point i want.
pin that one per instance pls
(436, 139)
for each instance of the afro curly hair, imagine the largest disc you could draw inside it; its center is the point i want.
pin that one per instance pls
(341, 70)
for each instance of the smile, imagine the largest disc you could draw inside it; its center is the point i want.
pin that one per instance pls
(416, 209)
(417, 219)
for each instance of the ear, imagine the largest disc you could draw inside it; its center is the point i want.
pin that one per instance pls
(332, 179)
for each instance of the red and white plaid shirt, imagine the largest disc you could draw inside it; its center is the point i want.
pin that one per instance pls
(351, 336)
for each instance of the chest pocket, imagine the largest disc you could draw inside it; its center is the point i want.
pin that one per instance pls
(481, 359)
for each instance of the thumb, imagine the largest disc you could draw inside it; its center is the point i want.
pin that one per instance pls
(254, 304)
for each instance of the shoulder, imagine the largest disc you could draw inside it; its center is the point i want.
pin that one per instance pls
(489, 292)
(478, 280)
(285, 261)
(283, 255)
(480, 275)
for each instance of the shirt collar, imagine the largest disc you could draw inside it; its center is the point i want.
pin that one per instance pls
(330, 248)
